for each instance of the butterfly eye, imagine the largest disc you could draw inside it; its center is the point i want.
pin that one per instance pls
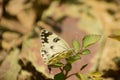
(56, 39)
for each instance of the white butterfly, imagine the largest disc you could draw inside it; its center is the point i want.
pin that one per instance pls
(53, 47)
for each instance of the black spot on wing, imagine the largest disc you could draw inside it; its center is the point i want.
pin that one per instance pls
(44, 36)
(44, 54)
(56, 39)
(51, 47)
(44, 51)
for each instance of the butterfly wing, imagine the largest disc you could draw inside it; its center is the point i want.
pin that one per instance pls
(53, 47)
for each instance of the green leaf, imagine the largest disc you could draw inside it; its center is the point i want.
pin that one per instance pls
(68, 67)
(73, 58)
(80, 76)
(76, 45)
(84, 52)
(59, 76)
(88, 40)
(95, 76)
(56, 65)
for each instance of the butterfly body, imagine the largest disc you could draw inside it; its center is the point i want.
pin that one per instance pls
(53, 47)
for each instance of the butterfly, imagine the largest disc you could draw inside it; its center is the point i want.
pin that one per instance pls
(53, 47)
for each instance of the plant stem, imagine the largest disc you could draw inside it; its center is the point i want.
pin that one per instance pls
(70, 75)
(66, 73)
(61, 69)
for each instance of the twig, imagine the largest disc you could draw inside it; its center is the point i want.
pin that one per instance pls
(61, 69)
(70, 75)
(66, 73)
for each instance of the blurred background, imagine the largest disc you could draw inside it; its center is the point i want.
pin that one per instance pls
(20, 23)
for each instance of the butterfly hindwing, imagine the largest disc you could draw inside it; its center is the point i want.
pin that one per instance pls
(53, 47)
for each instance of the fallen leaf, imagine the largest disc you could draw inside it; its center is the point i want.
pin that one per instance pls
(9, 69)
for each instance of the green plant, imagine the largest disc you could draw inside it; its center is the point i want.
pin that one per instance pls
(79, 50)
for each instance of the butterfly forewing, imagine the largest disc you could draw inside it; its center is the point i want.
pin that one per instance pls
(53, 47)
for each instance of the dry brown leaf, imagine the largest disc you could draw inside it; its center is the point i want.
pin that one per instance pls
(9, 69)
(57, 11)
(45, 2)
(24, 75)
(13, 25)
(31, 52)
(43, 25)
(1, 8)
(12, 40)
(6, 45)
(9, 36)
(3, 54)
(87, 19)
(16, 6)
(90, 24)
(27, 18)
(111, 50)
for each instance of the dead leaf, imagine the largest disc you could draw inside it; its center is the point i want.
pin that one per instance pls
(27, 18)
(9, 69)
(11, 35)
(24, 75)
(6, 45)
(15, 6)
(1, 8)
(3, 55)
(12, 41)
(31, 52)
(111, 50)
(13, 25)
